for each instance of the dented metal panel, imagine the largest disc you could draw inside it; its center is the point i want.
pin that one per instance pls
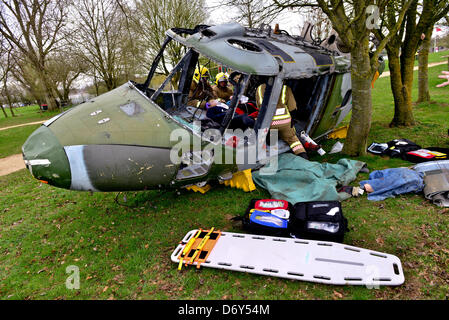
(121, 116)
(119, 167)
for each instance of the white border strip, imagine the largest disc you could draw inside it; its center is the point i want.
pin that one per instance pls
(78, 169)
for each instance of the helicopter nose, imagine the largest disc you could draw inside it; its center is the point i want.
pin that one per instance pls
(46, 159)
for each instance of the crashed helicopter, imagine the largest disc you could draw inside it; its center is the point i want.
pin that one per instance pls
(120, 140)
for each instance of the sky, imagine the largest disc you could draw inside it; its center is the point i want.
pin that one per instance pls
(290, 21)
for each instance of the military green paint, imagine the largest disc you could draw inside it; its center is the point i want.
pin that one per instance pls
(330, 114)
(103, 121)
(297, 62)
(127, 168)
(126, 135)
(43, 144)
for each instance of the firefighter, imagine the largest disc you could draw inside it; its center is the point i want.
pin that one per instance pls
(201, 92)
(282, 120)
(221, 88)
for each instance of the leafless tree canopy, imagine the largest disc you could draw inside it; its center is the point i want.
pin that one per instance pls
(252, 13)
(34, 29)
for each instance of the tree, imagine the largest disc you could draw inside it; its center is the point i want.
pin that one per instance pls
(24, 74)
(252, 13)
(3, 51)
(64, 67)
(152, 18)
(5, 72)
(354, 22)
(33, 27)
(423, 61)
(403, 46)
(103, 40)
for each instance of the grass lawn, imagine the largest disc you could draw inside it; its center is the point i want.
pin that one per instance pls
(11, 140)
(433, 58)
(124, 253)
(24, 115)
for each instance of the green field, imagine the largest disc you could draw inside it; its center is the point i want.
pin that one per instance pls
(11, 140)
(124, 252)
(25, 115)
(434, 57)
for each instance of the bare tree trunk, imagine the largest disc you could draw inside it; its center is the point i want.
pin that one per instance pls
(360, 124)
(423, 78)
(12, 112)
(401, 80)
(4, 112)
(96, 84)
(48, 89)
(8, 96)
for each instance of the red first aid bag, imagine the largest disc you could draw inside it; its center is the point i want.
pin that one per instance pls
(271, 204)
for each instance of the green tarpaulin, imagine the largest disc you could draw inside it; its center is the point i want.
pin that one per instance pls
(300, 180)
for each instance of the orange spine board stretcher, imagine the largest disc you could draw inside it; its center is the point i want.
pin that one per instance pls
(199, 247)
(187, 248)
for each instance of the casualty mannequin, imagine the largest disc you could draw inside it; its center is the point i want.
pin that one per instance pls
(282, 120)
(221, 88)
(200, 90)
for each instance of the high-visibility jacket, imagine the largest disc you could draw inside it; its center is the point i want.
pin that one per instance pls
(282, 118)
(286, 103)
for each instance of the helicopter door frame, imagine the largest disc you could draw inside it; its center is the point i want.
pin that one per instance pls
(262, 126)
(268, 108)
(185, 65)
(323, 84)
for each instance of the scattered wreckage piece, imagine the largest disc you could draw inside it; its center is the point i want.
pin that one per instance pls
(436, 180)
(297, 259)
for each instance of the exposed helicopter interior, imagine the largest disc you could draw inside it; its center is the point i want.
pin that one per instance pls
(173, 93)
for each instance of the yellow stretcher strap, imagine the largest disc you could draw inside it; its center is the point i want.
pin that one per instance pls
(187, 248)
(201, 245)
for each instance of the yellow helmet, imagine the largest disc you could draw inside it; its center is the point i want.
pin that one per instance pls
(201, 72)
(221, 77)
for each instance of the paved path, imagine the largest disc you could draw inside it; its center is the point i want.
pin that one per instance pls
(11, 164)
(387, 73)
(23, 124)
(15, 162)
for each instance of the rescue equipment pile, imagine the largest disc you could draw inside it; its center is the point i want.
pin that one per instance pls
(409, 151)
(431, 175)
(298, 234)
(316, 220)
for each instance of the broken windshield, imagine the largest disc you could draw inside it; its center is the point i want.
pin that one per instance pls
(197, 89)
